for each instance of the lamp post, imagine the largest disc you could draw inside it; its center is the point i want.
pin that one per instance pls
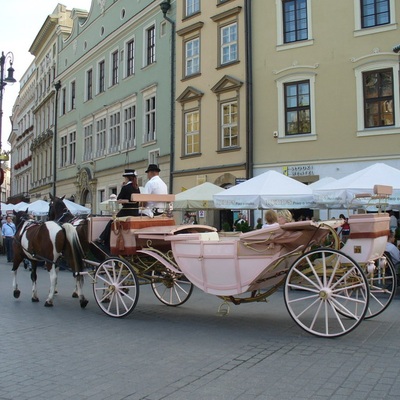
(165, 5)
(3, 82)
(57, 86)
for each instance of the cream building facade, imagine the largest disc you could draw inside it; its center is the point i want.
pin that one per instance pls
(212, 118)
(22, 136)
(326, 98)
(45, 49)
(211, 135)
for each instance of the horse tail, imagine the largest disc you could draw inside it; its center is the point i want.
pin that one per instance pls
(73, 241)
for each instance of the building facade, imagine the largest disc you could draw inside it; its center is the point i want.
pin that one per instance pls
(45, 49)
(22, 136)
(326, 98)
(114, 104)
(215, 91)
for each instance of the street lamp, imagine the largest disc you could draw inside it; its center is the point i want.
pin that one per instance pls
(165, 6)
(3, 82)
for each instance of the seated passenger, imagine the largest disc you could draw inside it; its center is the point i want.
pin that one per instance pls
(271, 218)
(393, 251)
(284, 216)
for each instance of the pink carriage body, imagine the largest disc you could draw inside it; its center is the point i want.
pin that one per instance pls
(368, 236)
(233, 265)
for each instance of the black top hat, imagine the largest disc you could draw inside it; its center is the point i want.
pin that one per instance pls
(129, 172)
(152, 167)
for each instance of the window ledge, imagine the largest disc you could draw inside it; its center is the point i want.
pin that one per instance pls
(374, 29)
(187, 77)
(149, 143)
(186, 156)
(229, 149)
(298, 138)
(379, 131)
(229, 64)
(294, 45)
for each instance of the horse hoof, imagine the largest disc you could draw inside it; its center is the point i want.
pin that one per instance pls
(47, 304)
(75, 295)
(84, 303)
(17, 293)
(35, 300)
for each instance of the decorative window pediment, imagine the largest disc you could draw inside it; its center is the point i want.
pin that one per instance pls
(190, 94)
(227, 83)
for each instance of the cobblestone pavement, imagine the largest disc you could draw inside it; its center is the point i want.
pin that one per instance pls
(187, 352)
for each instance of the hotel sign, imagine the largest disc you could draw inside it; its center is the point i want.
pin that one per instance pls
(299, 170)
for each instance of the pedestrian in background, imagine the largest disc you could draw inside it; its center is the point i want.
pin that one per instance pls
(8, 230)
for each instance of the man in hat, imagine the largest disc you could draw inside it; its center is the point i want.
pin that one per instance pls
(155, 185)
(129, 186)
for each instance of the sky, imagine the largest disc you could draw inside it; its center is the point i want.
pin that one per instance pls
(21, 21)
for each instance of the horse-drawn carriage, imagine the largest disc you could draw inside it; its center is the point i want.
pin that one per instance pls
(328, 290)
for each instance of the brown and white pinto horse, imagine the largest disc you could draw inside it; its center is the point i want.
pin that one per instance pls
(45, 241)
(60, 213)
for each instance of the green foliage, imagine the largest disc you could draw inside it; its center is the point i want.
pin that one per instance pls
(226, 227)
(243, 227)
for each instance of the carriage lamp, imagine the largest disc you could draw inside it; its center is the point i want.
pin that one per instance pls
(113, 205)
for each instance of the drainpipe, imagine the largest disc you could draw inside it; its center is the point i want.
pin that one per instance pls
(249, 91)
(165, 6)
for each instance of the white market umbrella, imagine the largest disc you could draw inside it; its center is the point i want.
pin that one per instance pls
(38, 207)
(75, 208)
(268, 190)
(199, 197)
(342, 191)
(21, 206)
(6, 208)
(322, 182)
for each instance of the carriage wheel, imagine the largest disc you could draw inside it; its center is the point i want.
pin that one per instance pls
(171, 288)
(323, 288)
(116, 287)
(382, 281)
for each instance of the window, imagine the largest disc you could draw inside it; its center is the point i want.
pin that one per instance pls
(150, 45)
(114, 63)
(101, 87)
(89, 84)
(192, 57)
(294, 20)
(88, 142)
(72, 148)
(63, 101)
(192, 7)
(229, 49)
(73, 95)
(100, 137)
(374, 13)
(154, 156)
(192, 133)
(115, 131)
(378, 98)
(129, 139)
(130, 59)
(229, 128)
(63, 151)
(297, 108)
(150, 119)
